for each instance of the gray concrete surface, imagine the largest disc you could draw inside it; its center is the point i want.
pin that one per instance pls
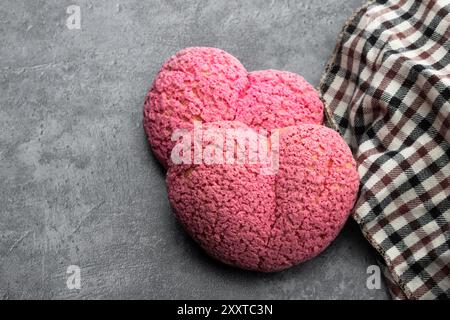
(78, 183)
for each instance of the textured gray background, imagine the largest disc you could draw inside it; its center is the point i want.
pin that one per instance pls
(77, 180)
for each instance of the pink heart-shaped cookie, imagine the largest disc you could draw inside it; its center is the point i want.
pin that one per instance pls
(240, 213)
(208, 85)
(269, 222)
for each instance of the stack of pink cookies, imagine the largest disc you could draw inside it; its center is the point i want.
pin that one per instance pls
(256, 212)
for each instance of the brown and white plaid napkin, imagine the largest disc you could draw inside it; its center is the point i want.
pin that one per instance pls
(387, 86)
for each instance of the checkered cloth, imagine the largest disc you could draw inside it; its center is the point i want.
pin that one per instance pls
(387, 86)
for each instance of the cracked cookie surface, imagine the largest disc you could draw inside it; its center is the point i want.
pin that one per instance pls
(269, 222)
(208, 84)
